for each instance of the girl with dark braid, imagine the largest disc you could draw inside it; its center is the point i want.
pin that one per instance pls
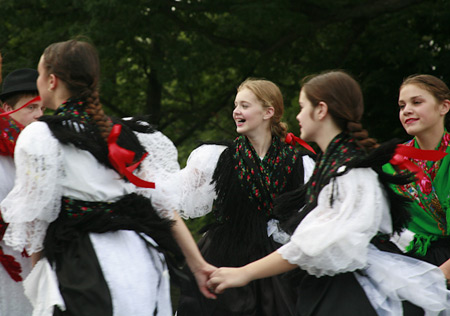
(237, 182)
(89, 203)
(347, 210)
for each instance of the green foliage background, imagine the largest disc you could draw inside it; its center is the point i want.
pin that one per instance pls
(180, 61)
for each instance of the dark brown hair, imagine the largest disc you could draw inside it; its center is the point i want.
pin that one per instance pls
(269, 95)
(344, 98)
(77, 64)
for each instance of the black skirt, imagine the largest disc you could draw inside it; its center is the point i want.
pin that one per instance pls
(266, 297)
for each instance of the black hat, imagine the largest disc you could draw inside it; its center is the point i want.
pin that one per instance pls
(19, 80)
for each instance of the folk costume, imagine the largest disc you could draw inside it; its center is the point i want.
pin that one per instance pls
(102, 237)
(239, 188)
(14, 265)
(428, 234)
(347, 209)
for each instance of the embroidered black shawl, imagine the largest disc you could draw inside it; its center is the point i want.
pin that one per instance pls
(246, 187)
(71, 124)
(343, 151)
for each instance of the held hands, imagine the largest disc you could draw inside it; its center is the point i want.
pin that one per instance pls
(201, 276)
(224, 278)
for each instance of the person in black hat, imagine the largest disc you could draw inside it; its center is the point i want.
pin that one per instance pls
(19, 87)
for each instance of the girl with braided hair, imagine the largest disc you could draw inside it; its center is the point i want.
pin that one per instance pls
(237, 182)
(85, 205)
(346, 210)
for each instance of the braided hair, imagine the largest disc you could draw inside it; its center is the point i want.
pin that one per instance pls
(77, 64)
(344, 98)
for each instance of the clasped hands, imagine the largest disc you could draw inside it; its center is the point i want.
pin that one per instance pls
(212, 280)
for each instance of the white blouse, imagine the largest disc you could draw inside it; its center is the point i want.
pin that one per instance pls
(8, 171)
(48, 170)
(198, 194)
(335, 238)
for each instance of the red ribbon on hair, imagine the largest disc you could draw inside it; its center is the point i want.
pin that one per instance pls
(121, 159)
(36, 99)
(403, 151)
(292, 139)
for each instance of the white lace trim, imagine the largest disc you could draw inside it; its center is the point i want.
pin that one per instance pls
(161, 167)
(35, 199)
(390, 278)
(198, 193)
(334, 238)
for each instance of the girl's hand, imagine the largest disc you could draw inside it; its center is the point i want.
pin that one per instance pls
(224, 278)
(201, 276)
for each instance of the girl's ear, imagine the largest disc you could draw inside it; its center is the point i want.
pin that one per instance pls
(445, 107)
(53, 82)
(322, 110)
(270, 111)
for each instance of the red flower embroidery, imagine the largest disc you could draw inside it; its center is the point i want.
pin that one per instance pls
(425, 185)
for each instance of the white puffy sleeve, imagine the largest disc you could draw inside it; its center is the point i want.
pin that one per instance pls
(334, 238)
(35, 200)
(198, 193)
(161, 167)
(308, 167)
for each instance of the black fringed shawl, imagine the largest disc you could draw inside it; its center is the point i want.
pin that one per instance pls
(246, 187)
(71, 124)
(343, 151)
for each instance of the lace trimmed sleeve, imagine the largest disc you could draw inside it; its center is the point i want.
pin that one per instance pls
(334, 238)
(35, 200)
(198, 193)
(161, 167)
